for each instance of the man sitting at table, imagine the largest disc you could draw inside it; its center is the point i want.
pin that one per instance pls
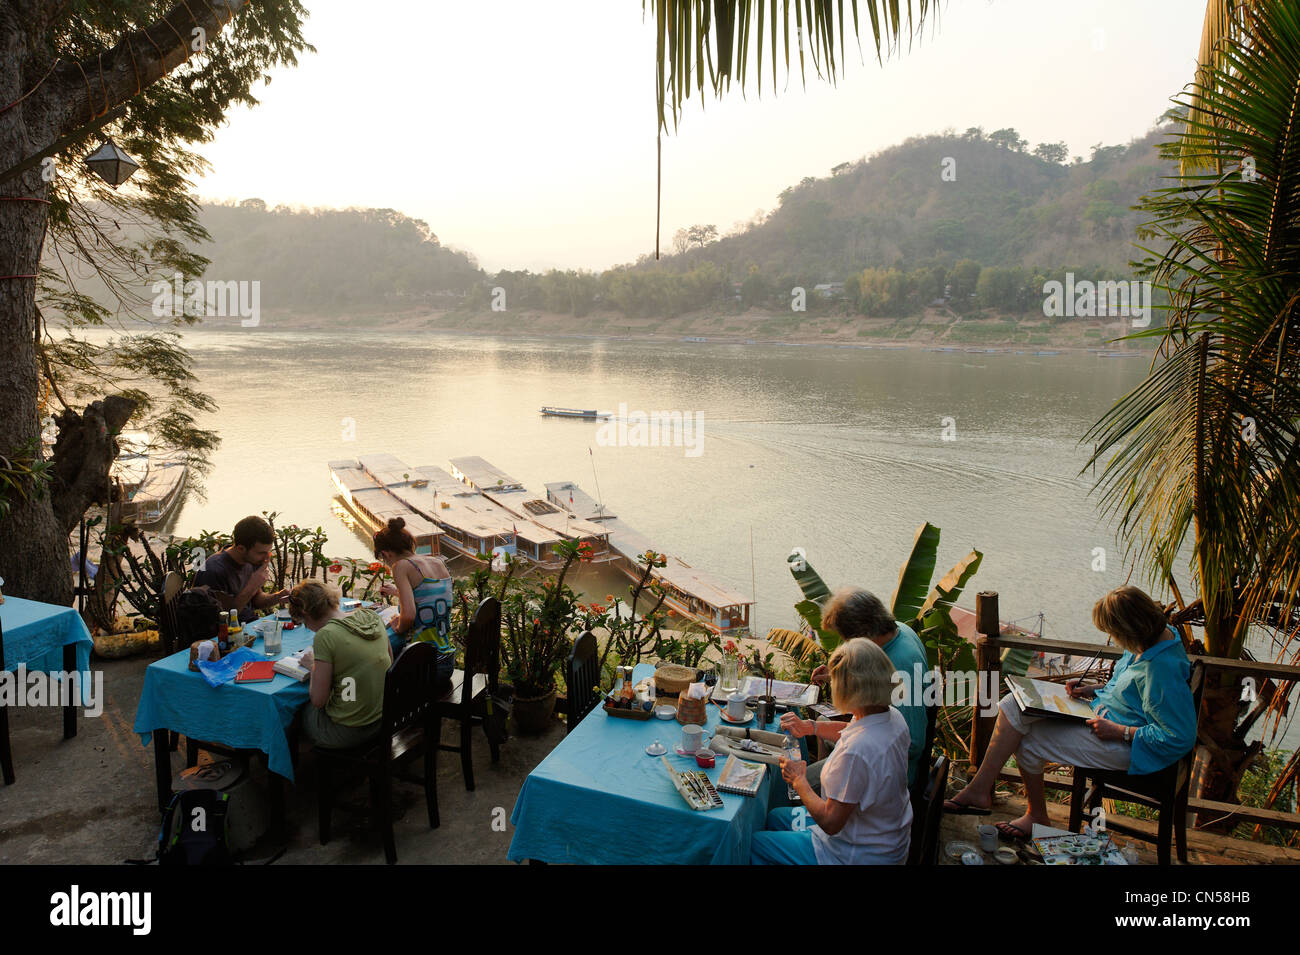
(348, 661)
(858, 613)
(237, 574)
(866, 815)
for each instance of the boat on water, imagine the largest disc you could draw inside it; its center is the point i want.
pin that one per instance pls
(374, 505)
(590, 415)
(150, 479)
(694, 594)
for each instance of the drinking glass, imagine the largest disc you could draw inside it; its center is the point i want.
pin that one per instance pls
(730, 675)
(271, 641)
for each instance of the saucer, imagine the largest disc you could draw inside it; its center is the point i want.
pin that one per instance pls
(722, 714)
(677, 748)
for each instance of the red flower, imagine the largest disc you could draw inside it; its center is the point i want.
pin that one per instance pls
(376, 567)
(336, 568)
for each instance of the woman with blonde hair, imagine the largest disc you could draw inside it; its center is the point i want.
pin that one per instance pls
(348, 660)
(864, 815)
(1145, 719)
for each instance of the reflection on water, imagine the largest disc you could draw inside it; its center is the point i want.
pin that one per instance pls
(839, 451)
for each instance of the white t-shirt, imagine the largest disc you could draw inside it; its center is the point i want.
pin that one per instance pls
(868, 769)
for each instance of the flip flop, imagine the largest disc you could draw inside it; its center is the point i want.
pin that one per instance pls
(954, 808)
(1009, 833)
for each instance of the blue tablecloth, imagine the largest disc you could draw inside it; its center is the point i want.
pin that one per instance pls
(36, 633)
(598, 798)
(239, 715)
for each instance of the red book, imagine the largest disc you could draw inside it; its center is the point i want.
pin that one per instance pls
(256, 671)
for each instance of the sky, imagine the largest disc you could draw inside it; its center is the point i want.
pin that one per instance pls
(524, 132)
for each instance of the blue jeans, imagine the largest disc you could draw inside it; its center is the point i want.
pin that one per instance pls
(780, 843)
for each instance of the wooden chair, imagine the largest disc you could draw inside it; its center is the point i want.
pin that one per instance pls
(927, 813)
(6, 754)
(168, 626)
(473, 688)
(580, 677)
(1165, 791)
(411, 726)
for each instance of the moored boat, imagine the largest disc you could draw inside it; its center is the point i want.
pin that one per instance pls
(589, 415)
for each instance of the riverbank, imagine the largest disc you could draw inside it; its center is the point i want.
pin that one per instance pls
(935, 329)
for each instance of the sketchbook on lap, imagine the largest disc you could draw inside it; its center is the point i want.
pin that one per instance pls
(1041, 698)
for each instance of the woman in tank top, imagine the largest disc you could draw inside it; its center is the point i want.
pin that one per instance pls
(422, 585)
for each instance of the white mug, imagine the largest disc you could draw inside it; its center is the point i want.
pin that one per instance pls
(692, 738)
(736, 706)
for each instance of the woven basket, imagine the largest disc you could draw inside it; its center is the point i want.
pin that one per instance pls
(673, 678)
(691, 711)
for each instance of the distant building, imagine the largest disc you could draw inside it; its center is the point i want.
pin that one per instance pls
(829, 289)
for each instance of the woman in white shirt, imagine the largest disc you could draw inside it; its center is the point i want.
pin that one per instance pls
(864, 815)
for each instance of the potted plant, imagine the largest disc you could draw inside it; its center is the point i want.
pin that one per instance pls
(537, 619)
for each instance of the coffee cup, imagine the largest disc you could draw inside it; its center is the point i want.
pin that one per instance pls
(692, 738)
(736, 706)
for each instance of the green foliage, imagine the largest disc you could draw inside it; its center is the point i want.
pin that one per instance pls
(104, 245)
(1179, 462)
(22, 475)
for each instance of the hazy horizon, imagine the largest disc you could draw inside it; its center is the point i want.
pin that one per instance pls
(532, 158)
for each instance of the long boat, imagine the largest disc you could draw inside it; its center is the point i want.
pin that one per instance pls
(540, 524)
(373, 506)
(151, 479)
(574, 413)
(693, 593)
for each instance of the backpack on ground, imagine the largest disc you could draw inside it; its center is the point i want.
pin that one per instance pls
(194, 829)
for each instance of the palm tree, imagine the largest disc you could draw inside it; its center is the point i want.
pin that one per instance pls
(1203, 455)
(1206, 446)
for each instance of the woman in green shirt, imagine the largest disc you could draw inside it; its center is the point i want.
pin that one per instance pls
(349, 659)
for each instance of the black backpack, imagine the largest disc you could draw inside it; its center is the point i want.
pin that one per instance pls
(194, 829)
(198, 615)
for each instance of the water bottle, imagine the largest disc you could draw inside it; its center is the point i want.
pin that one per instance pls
(791, 751)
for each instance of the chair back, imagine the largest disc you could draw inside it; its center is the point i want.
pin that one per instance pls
(921, 781)
(927, 815)
(1195, 683)
(409, 689)
(482, 648)
(168, 625)
(580, 678)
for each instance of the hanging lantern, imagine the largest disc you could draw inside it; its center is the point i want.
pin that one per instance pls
(112, 165)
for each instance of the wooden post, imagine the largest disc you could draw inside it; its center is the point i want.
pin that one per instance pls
(988, 659)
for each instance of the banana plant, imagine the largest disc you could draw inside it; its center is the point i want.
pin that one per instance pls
(926, 609)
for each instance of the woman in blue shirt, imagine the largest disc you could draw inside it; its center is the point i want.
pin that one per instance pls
(1145, 719)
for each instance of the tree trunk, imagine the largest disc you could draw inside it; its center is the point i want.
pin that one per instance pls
(1222, 758)
(33, 551)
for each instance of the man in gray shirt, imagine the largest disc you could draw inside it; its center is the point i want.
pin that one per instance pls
(236, 575)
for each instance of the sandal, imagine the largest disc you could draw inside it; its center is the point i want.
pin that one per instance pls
(1009, 833)
(954, 808)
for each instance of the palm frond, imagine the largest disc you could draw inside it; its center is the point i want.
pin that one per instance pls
(728, 34)
(1207, 446)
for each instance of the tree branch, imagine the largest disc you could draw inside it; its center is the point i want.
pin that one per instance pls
(139, 59)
